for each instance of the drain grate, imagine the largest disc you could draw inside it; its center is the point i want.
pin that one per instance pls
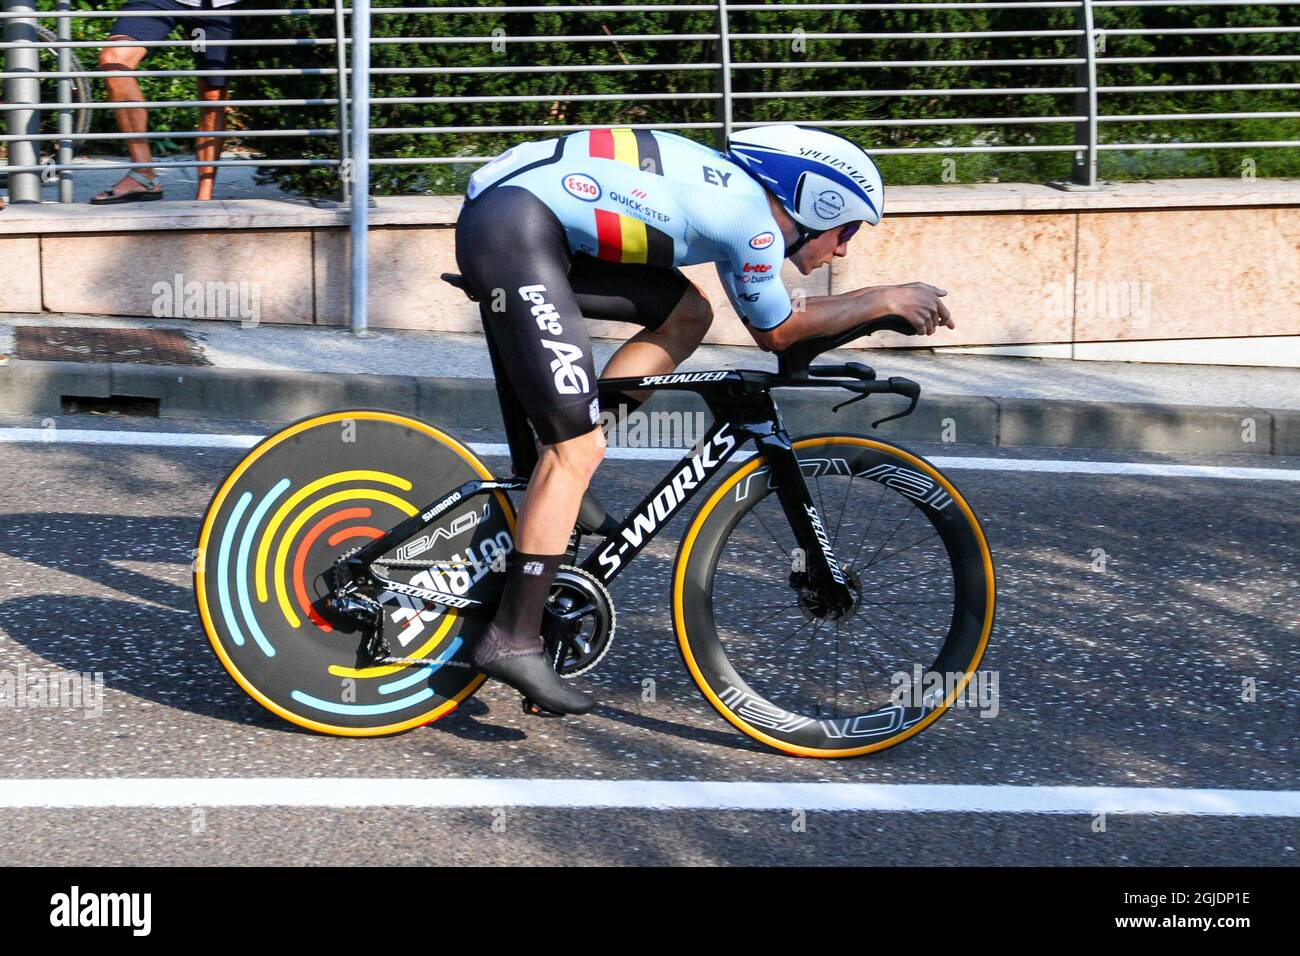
(37, 343)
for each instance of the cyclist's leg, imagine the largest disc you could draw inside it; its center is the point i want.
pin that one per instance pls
(673, 311)
(512, 250)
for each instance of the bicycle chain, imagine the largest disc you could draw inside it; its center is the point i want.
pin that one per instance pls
(423, 661)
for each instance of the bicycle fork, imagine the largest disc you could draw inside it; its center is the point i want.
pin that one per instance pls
(823, 578)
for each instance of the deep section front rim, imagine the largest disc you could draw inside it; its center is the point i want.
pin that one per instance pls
(756, 713)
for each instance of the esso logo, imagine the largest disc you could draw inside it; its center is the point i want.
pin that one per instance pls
(762, 240)
(581, 186)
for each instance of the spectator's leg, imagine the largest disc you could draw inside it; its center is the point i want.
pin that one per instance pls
(208, 149)
(124, 88)
(214, 56)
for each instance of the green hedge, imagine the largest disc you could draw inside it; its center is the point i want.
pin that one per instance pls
(1018, 166)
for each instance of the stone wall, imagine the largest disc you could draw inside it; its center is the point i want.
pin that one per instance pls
(1156, 271)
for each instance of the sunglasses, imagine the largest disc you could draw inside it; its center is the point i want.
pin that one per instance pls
(848, 232)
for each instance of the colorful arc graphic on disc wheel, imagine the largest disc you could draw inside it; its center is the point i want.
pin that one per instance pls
(305, 495)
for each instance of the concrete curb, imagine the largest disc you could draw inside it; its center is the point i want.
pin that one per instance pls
(182, 392)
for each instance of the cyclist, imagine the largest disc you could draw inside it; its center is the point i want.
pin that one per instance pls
(595, 224)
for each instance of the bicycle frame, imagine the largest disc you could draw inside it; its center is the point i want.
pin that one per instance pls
(744, 411)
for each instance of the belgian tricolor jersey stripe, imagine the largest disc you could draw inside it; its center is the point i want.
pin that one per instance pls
(636, 147)
(623, 238)
(627, 239)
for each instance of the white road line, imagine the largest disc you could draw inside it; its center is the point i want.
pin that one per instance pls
(1154, 469)
(94, 436)
(636, 795)
(87, 436)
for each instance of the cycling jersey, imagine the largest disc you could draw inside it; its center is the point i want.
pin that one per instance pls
(641, 196)
(534, 293)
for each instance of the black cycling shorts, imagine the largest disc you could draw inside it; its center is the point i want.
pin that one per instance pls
(534, 293)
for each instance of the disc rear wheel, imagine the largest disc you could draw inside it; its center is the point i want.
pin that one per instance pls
(317, 490)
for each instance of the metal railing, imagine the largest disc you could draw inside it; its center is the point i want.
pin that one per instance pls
(733, 63)
(23, 102)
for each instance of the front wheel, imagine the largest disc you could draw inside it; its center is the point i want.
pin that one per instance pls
(772, 658)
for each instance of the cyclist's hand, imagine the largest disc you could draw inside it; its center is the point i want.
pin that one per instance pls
(922, 305)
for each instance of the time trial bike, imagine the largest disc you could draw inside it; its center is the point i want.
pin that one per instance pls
(349, 561)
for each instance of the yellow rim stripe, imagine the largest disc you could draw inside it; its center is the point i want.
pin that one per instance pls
(215, 508)
(282, 554)
(264, 546)
(679, 581)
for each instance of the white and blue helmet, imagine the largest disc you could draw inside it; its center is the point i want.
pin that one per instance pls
(822, 180)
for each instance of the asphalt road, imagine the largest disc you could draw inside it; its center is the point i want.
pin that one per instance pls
(1130, 676)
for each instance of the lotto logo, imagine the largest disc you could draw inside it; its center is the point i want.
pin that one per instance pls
(758, 267)
(581, 186)
(548, 320)
(762, 240)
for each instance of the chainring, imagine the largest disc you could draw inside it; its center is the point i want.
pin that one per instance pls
(579, 622)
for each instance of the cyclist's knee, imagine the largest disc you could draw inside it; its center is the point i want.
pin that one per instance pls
(581, 456)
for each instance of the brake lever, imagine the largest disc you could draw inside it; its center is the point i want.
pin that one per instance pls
(901, 386)
(850, 401)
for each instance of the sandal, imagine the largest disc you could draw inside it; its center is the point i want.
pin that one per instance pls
(150, 193)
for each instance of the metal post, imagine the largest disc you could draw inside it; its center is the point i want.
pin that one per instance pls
(360, 162)
(1084, 172)
(341, 59)
(65, 97)
(724, 54)
(23, 187)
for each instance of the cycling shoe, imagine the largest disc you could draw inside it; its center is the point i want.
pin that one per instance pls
(533, 677)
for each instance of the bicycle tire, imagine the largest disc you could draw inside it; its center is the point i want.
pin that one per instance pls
(757, 702)
(317, 488)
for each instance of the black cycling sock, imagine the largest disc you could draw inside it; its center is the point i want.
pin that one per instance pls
(516, 629)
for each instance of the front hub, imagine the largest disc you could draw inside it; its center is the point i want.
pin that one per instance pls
(813, 600)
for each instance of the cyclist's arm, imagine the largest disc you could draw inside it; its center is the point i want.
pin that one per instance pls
(921, 304)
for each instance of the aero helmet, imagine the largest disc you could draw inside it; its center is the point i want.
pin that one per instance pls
(822, 180)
